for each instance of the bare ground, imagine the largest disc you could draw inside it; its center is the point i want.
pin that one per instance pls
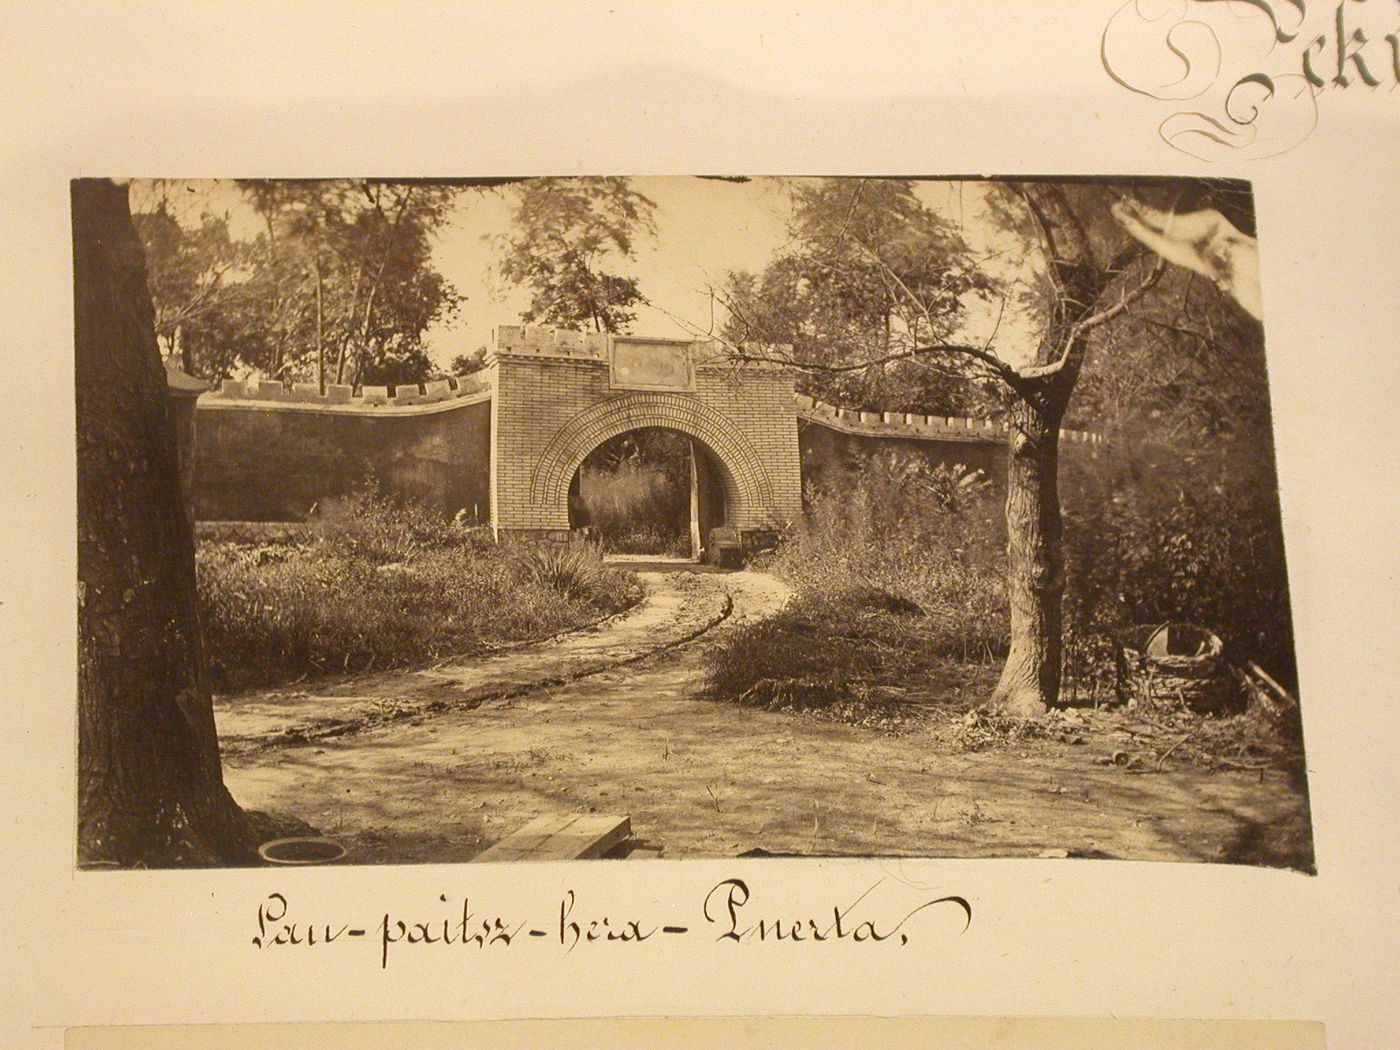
(435, 766)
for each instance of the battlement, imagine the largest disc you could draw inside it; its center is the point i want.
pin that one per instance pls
(542, 341)
(915, 425)
(503, 444)
(567, 344)
(438, 393)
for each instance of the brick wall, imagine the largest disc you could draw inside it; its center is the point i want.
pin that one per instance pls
(553, 402)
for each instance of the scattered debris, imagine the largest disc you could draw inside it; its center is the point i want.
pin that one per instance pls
(1174, 662)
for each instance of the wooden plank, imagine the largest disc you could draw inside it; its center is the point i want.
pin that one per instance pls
(561, 836)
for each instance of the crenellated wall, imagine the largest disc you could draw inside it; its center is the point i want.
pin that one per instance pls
(912, 425)
(517, 431)
(833, 438)
(274, 453)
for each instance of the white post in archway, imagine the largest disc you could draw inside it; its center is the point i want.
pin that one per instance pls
(696, 547)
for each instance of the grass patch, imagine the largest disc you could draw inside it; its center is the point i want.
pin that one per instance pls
(388, 585)
(900, 608)
(858, 655)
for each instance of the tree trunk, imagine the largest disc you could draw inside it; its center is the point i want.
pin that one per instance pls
(150, 785)
(1035, 580)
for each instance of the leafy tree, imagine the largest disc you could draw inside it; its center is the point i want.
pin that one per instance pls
(567, 231)
(1090, 273)
(368, 290)
(871, 272)
(338, 286)
(466, 364)
(192, 273)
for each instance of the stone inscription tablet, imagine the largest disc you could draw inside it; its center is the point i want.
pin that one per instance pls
(643, 364)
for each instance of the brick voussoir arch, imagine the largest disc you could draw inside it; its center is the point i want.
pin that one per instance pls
(748, 488)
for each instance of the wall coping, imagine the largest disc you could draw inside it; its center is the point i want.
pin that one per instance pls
(442, 396)
(916, 425)
(526, 342)
(405, 399)
(523, 341)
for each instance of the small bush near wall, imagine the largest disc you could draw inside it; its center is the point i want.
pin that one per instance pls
(933, 536)
(900, 598)
(383, 585)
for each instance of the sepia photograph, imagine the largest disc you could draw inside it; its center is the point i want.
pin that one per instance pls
(562, 518)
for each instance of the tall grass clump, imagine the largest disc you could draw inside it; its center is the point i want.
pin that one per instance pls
(575, 572)
(898, 569)
(380, 585)
(931, 536)
(634, 492)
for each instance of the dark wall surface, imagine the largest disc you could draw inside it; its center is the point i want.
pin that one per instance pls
(276, 464)
(826, 450)
(257, 464)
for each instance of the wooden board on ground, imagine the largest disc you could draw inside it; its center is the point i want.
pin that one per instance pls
(561, 836)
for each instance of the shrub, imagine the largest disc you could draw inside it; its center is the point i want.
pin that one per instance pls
(1157, 536)
(849, 654)
(379, 529)
(384, 585)
(930, 536)
(898, 572)
(574, 572)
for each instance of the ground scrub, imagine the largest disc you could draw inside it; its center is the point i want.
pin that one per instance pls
(384, 585)
(859, 656)
(1158, 536)
(900, 598)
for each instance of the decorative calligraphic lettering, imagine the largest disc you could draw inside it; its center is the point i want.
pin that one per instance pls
(724, 915)
(1254, 69)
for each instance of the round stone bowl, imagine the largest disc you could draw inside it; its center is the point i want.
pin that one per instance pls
(302, 850)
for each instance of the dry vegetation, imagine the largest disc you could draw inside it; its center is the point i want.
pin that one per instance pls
(900, 604)
(900, 620)
(388, 585)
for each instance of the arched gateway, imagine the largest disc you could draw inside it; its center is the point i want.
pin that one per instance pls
(504, 445)
(557, 395)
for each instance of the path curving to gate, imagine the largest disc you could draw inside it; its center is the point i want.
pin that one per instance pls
(700, 777)
(674, 610)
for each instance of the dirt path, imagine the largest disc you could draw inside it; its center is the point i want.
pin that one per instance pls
(701, 778)
(676, 608)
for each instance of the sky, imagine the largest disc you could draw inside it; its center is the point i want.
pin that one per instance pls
(704, 230)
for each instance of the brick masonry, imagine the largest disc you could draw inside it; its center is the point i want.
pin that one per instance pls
(553, 402)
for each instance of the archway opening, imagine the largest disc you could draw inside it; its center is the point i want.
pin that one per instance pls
(650, 491)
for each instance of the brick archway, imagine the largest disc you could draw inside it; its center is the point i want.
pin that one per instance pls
(748, 490)
(557, 395)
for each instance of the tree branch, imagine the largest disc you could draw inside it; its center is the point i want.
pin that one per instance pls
(1075, 339)
(993, 363)
(1104, 316)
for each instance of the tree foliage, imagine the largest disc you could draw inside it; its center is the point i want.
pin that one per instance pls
(193, 272)
(1177, 517)
(569, 236)
(337, 286)
(870, 272)
(1088, 275)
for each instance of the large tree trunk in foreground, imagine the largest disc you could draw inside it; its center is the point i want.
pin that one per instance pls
(150, 786)
(1030, 679)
